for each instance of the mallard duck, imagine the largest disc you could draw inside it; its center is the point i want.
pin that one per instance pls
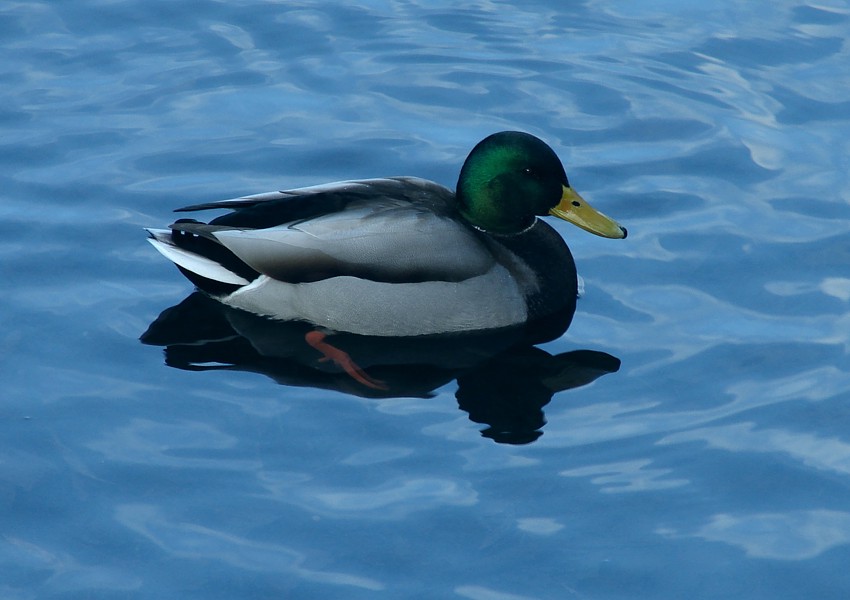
(398, 256)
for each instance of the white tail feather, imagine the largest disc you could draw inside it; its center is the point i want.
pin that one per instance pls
(194, 262)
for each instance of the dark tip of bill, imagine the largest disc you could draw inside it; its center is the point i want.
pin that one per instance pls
(625, 232)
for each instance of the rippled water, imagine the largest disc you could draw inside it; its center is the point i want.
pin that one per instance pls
(714, 464)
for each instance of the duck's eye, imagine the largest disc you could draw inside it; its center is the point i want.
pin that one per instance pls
(529, 172)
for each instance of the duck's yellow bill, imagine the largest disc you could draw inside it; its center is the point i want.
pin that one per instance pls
(576, 210)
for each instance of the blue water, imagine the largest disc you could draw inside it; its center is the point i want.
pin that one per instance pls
(714, 464)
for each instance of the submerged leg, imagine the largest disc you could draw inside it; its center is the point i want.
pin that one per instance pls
(340, 358)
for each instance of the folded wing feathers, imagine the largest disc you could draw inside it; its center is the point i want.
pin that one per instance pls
(389, 229)
(236, 203)
(400, 245)
(246, 201)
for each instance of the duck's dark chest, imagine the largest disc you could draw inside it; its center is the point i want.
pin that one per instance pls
(545, 266)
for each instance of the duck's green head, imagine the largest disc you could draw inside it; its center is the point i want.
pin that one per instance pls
(510, 178)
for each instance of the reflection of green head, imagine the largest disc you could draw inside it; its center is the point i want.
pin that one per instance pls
(508, 179)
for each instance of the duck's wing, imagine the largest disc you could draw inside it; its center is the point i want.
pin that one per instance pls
(399, 230)
(376, 240)
(265, 210)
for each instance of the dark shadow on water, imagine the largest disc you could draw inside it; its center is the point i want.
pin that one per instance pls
(503, 380)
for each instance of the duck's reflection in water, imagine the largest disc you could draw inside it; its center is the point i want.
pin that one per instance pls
(503, 380)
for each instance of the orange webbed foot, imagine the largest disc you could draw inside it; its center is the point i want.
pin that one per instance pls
(316, 339)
